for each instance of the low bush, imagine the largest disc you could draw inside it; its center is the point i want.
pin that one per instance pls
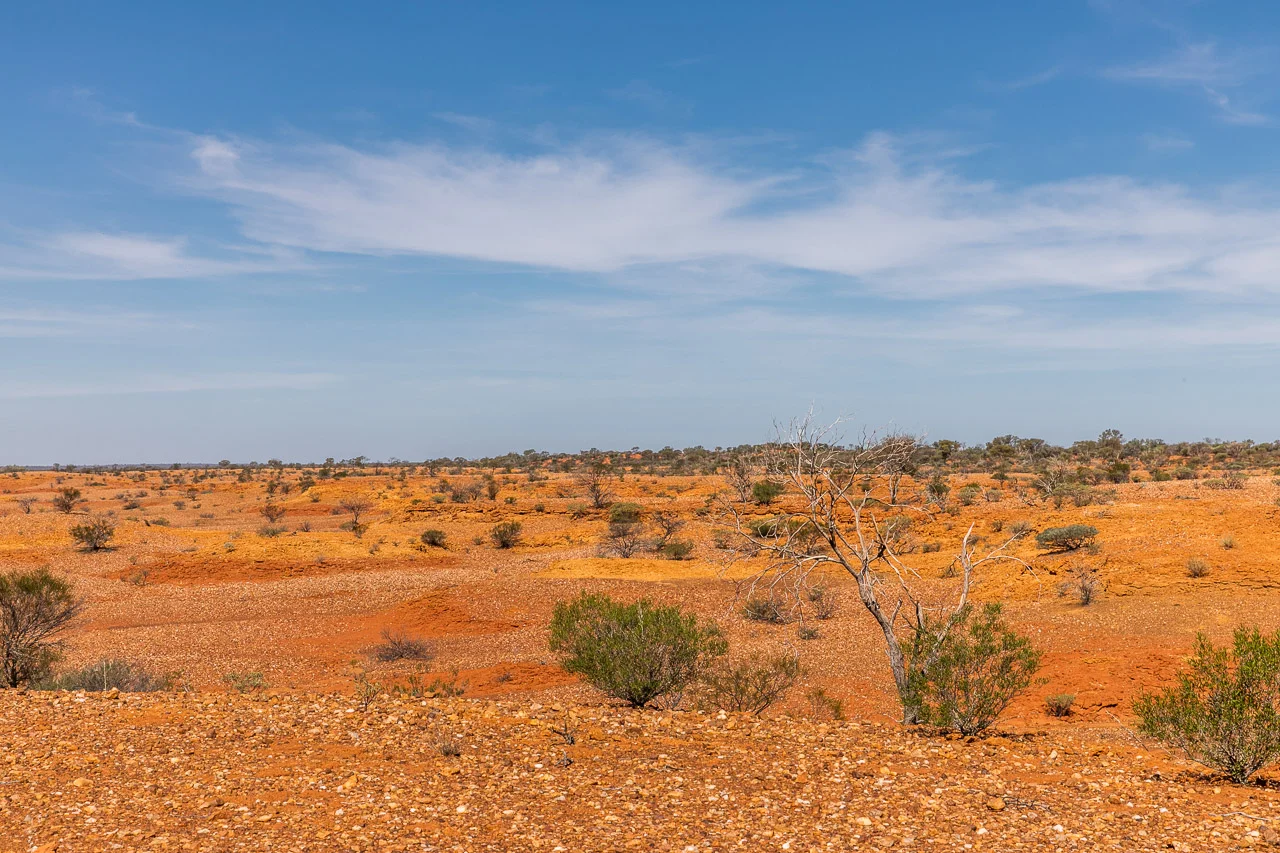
(1224, 710)
(676, 549)
(1059, 705)
(625, 513)
(397, 645)
(766, 492)
(35, 607)
(765, 609)
(966, 671)
(1228, 542)
(507, 534)
(1197, 568)
(94, 534)
(639, 653)
(108, 674)
(749, 686)
(434, 538)
(1068, 538)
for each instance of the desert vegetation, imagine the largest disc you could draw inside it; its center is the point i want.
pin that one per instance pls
(995, 591)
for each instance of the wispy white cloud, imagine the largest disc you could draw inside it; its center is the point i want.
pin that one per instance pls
(1167, 142)
(1204, 68)
(97, 255)
(634, 209)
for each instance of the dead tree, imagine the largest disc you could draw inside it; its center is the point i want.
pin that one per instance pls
(740, 474)
(837, 513)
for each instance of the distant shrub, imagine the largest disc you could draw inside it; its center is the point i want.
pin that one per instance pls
(931, 547)
(1224, 710)
(94, 534)
(638, 652)
(625, 513)
(34, 607)
(749, 686)
(997, 524)
(1020, 528)
(824, 706)
(676, 549)
(507, 534)
(245, 682)
(824, 600)
(539, 507)
(272, 512)
(1161, 476)
(1059, 705)
(108, 674)
(1197, 568)
(397, 645)
(993, 496)
(766, 492)
(1083, 585)
(434, 538)
(67, 499)
(1067, 538)
(765, 609)
(1184, 473)
(1228, 542)
(270, 532)
(577, 510)
(966, 672)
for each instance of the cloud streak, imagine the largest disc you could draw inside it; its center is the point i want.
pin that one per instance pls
(634, 210)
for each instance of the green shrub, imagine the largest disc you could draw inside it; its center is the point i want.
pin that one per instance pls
(638, 652)
(625, 513)
(34, 607)
(245, 682)
(1161, 476)
(66, 499)
(269, 531)
(1059, 705)
(766, 492)
(1184, 473)
(1223, 711)
(93, 534)
(108, 674)
(965, 672)
(1067, 538)
(749, 686)
(676, 549)
(507, 534)
(434, 538)
(765, 610)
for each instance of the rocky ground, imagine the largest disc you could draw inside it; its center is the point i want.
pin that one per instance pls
(316, 772)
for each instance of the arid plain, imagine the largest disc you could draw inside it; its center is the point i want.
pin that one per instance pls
(271, 736)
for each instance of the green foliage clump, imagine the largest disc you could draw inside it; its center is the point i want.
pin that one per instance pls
(1067, 538)
(34, 607)
(1224, 710)
(625, 513)
(750, 686)
(639, 652)
(434, 538)
(766, 492)
(507, 534)
(108, 674)
(93, 534)
(967, 670)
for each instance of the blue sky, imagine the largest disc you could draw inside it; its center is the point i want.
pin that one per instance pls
(415, 230)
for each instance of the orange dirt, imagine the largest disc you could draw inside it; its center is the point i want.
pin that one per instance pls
(191, 585)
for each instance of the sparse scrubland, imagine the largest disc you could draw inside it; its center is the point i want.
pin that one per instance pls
(806, 644)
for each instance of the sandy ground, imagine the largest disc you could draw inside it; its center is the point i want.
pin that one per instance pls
(191, 587)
